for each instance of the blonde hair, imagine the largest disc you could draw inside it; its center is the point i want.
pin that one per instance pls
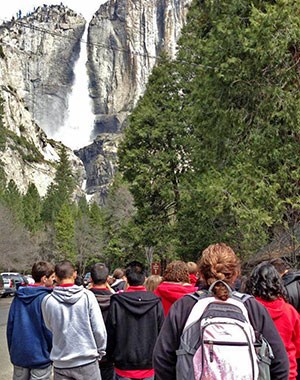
(152, 282)
(219, 262)
(192, 267)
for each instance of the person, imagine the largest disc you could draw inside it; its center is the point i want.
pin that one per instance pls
(120, 282)
(134, 321)
(29, 341)
(72, 314)
(193, 272)
(265, 284)
(152, 282)
(217, 262)
(103, 292)
(291, 281)
(175, 284)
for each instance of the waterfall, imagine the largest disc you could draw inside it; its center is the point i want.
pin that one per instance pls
(76, 131)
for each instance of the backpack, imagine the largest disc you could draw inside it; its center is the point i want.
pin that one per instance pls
(218, 341)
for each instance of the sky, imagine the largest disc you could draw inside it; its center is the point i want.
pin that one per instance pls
(9, 8)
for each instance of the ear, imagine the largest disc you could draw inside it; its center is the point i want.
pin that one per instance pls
(43, 279)
(75, 274)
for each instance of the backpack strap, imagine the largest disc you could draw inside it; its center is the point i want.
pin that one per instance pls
(241, 296)
(198, 295)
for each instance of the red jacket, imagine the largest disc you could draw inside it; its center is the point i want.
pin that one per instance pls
(287, 321)
(171, 292)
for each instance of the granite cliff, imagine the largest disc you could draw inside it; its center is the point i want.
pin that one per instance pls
(37, 55)
(36, 59)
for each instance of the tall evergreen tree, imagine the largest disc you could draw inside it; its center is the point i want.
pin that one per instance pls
(65, 234)
(32, 207)
(60, 191)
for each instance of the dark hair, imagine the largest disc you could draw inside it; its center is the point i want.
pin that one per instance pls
(99, 273)
(219, 262)
(135, 273)
(118, 273)
(177, 271)
(64, 269)
(280, 265)
(40, 269)
(265, 282)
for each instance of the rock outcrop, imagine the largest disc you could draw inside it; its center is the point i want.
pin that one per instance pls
(125, 38)
(36, 75)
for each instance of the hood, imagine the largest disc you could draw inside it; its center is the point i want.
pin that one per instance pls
(137, 303)
(290, 277)
(173, 291)
(275, 308)
(70, 294)
(27, 294)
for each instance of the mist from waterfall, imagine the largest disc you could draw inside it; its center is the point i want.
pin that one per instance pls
(76, 131)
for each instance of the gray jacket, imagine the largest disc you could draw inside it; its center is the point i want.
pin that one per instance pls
(73, 316)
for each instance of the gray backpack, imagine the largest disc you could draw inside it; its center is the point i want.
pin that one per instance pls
(218, 341)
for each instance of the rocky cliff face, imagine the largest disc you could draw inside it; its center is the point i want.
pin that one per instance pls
(36, 75)
(37, 55)
(125, 38)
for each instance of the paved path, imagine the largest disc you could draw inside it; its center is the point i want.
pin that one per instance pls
(5, 365)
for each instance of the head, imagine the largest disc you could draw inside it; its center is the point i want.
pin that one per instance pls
(152, 282)
(192, 267)
(176, 271)
(65, 272)
(135, 273)
(281, 266)
(99, 273)
(265, 282)
(43, 273)
(219, 262)
(118, 273)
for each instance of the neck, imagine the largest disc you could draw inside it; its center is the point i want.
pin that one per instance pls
(66, 281)
(99, 286)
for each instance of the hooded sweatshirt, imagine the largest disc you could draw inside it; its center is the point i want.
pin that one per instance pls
(171, 292)
(134, 321)
(287, 321)
(73, 316)
(29, 341)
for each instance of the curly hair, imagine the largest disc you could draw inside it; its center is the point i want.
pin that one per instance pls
(265, 282)
(219, 262)
(176, 271)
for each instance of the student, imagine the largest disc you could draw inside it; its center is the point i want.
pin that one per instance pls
(29, 341)
(103, 293)
(134, 321)
(193, 272)
(73, 316)
(175, 284)
(120, 282)
(266, 285)
(217, 262)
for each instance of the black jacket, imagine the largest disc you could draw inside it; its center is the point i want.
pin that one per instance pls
(133, 324)
(164, 355)
(292, 286)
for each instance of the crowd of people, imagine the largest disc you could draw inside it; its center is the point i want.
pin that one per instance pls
(132, 327)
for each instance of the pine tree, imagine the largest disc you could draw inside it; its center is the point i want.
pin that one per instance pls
(65, 234)
(32, 207)
(60, 191)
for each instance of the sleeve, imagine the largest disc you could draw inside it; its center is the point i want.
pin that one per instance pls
(111, 329)
(97, 324)
(164, 354)
(10, 325)
(263, 323)
(296, 333)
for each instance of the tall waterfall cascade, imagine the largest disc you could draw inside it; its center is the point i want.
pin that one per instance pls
(76, 132)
